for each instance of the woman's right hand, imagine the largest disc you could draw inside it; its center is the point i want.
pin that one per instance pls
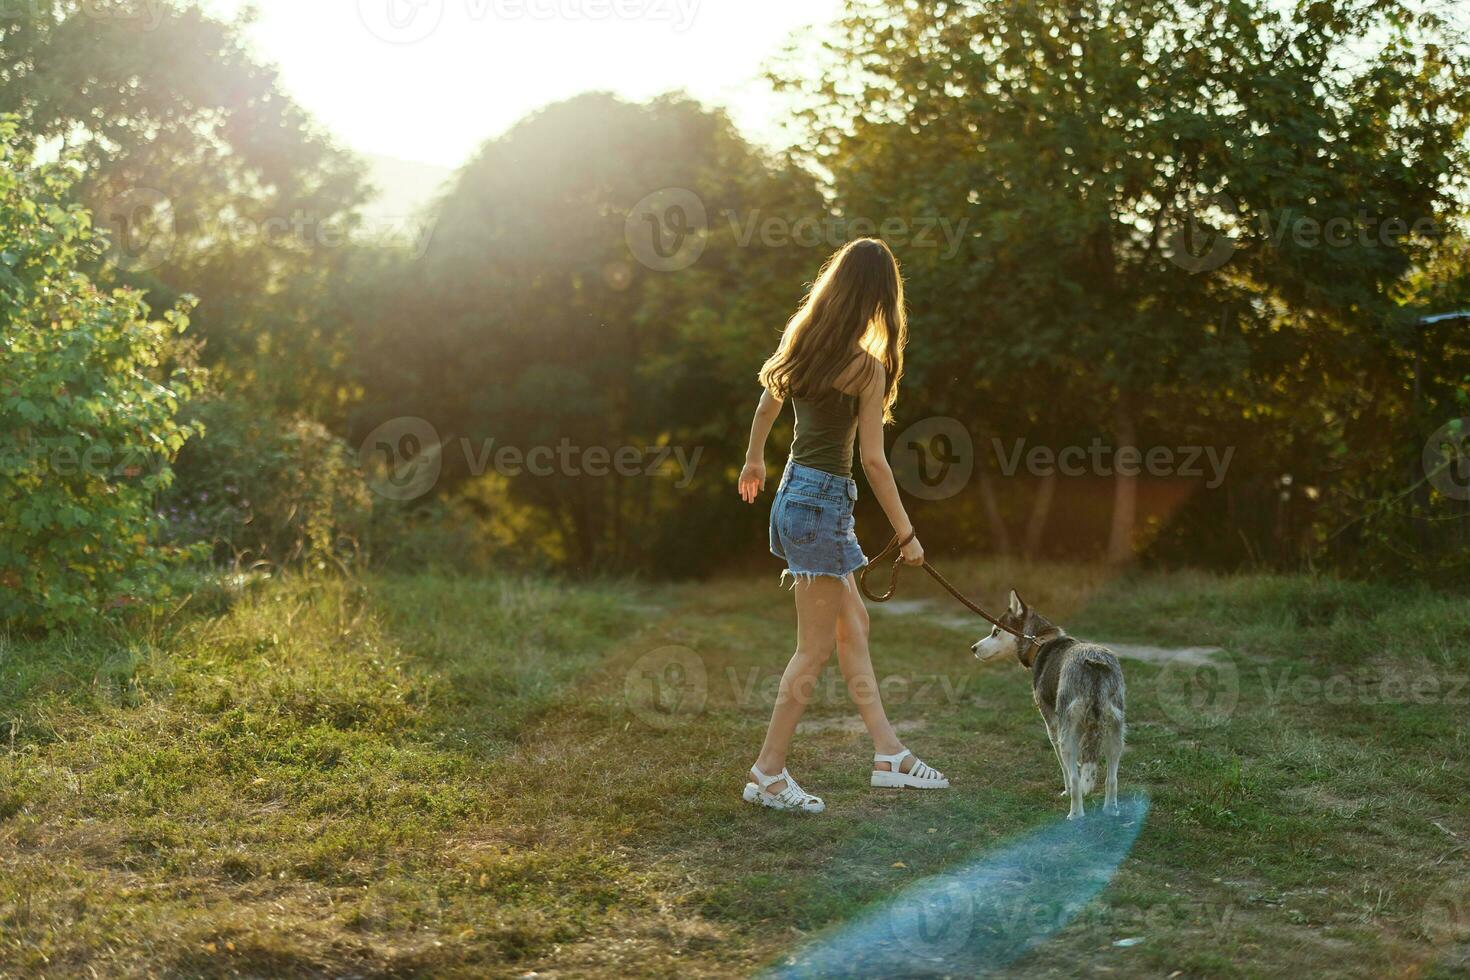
(912, 553)
(752, 481)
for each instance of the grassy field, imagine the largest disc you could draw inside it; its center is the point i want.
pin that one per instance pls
(422, 776)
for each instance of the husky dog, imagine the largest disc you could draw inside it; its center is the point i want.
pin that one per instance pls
(1078, 687)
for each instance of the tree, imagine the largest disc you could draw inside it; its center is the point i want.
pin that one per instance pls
(550, 310)
(1175, 207)
(88, 419)
(208, 178)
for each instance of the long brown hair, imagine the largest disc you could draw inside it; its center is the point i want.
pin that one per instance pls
(855, 304)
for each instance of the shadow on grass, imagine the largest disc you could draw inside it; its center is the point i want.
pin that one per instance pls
(984, 914)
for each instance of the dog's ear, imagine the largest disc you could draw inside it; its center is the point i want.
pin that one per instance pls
(1017, 607)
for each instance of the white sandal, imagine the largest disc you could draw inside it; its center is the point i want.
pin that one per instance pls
(921, 776)
(793, 797)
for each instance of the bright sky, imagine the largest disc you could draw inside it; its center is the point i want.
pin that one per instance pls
(429, 80)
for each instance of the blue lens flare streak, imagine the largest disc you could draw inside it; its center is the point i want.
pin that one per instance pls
(983, 915)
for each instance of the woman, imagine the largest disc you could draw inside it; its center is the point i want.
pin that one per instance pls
(839, 363)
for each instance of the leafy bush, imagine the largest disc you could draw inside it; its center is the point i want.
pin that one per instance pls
(88, 413)
(261, 488)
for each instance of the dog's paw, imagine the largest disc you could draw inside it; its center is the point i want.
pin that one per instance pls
(1074, 816)
(1113, 811)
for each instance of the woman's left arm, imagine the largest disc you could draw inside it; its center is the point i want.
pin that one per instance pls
(753, 476)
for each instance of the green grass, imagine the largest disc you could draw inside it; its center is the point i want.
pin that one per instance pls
(408, 776)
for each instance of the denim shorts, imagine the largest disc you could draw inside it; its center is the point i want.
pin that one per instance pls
(811, 524)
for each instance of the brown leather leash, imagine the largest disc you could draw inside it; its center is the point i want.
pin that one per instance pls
(895, 547)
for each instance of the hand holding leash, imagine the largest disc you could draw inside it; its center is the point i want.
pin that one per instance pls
(911, 552)
(896, 548)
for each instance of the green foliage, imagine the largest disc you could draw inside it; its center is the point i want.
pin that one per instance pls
(88, 412)
(1187, 221)
(1080, 159)
(445, 535)
(209, 178)
(1083, 162)
(259, 488)
(211, 181)
(531, 319)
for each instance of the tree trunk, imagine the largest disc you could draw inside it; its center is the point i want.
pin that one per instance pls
(1000, 537)
(584, 529)
(1125, 490)
(1040, 511)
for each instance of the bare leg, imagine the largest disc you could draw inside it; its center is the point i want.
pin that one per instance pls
(857, 669)
(862, 684)
(818, 603)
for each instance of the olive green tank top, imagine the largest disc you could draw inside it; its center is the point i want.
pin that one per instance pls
(825, 428)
